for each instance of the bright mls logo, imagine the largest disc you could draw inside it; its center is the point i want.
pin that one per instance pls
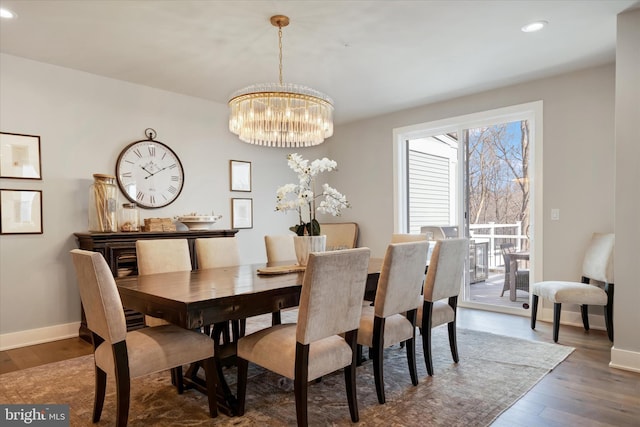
(35, 415)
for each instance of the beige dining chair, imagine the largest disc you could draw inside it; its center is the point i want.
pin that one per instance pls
(597, 266)
(405, 237)
(280, 248)
(340, 235)
(162, 256)
(330, 299)
(439, 301)
(384, 324)
(217, 252)
(127, 355)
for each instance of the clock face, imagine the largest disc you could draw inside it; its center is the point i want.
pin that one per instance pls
(149, 173)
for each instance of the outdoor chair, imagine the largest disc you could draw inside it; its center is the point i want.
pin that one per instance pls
(597, 266)
(512, 271)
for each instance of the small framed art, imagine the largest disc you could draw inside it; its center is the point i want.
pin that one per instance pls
(241, 213)
(20, 211)
(240, 175)
(20, 156)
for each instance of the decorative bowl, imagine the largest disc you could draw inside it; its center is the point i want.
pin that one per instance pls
(198, 222)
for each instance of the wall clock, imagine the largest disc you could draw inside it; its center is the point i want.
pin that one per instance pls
(149, 173)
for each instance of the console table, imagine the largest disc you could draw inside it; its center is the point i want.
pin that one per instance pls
(119, 250)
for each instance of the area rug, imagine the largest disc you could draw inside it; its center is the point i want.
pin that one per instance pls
(493, 373)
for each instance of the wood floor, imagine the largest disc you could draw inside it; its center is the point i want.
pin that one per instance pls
(582, 390)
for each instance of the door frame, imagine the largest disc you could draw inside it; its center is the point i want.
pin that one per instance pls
(532, 111)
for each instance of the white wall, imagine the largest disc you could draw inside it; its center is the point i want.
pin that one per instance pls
(84, 121)
(626, 350)
(578, 161)
(579, 171)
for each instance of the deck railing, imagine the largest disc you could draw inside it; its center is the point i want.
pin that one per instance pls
(496, 234)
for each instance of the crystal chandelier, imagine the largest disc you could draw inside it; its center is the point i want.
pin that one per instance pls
(281, 114)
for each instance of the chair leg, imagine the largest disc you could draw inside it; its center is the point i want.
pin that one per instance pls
(243, 370)
(98, 400)
(534, 311)
(351, 338)
(556, 320)
(608, 320)
(377, 349)
(453, 341)
(300, 383)
(451, 326)
(276, 318)
(177, 374)
(608, 310)
(212, 384)
(123, 383)
(411, 348)
(584, 310)
(426, 336)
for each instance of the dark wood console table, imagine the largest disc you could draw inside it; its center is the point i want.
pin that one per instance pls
(119, 250)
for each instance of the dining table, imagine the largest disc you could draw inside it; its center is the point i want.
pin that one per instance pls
(199, 298)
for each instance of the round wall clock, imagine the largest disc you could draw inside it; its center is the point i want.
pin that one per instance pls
(149, 173)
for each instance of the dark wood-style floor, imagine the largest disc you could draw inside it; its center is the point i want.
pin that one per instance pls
(583, 390)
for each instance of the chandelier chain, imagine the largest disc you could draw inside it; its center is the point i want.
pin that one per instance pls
(280, 48)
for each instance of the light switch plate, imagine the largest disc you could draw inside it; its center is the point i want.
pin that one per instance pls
(555, 214)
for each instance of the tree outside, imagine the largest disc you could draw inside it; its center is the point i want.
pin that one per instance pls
(498, 161)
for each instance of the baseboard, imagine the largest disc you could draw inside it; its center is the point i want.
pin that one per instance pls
(38, 336)
(625, 359)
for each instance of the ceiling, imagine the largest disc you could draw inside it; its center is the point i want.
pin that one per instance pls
(371, 57)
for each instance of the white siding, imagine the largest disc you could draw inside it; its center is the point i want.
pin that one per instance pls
(428, 190)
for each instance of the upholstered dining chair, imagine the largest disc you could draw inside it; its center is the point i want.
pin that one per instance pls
(440, 295)
(162, 256)
(217, 252)
(280, 248)
(405, 237)
(597, 266)
(384, 324)
(128, 355)
(332, 290)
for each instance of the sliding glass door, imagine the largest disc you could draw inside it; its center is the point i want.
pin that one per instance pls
(470, 176)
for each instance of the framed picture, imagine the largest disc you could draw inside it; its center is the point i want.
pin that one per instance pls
(240, 175)
(20, 211)
(20, 156)
(241, 213)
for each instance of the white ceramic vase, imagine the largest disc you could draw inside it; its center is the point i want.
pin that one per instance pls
(304, 245)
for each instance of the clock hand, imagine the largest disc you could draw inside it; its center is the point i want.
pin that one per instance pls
(160, 170)
(145, 169)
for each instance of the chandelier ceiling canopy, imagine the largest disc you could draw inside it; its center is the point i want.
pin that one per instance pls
(281, 114)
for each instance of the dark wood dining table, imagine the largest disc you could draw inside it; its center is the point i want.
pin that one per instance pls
(199, 298)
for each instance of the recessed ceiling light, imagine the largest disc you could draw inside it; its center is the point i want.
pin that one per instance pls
(6, 13)
(534, 26)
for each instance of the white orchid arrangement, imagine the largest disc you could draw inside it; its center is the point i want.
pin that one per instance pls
(302, 196)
